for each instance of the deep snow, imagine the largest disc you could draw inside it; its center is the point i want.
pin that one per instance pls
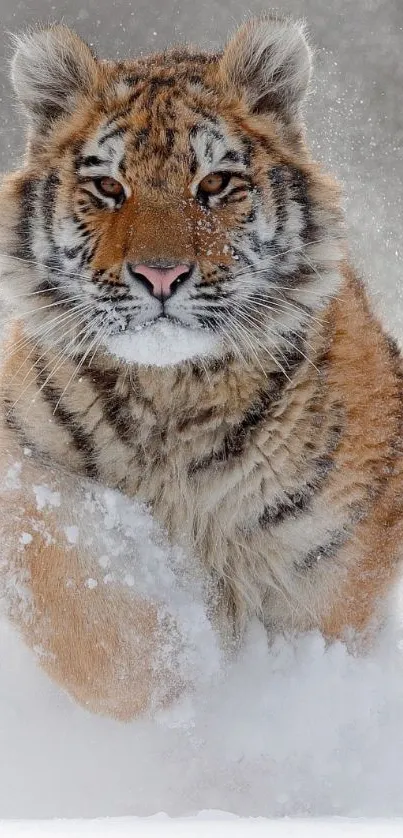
(206, 825)
(294, 730)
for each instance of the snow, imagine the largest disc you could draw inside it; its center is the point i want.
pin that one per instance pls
(72, 534)
(45, 497)
(12, 479)
(91, 583)
(291, 730)
(162, 344)
(207, 824)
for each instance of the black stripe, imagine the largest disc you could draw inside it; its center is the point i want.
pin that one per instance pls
(161, 81)
(23, 230)
(212, 367)
(326, 550)
(293, 505)
(45, 286)
(232, 156)
(141, 138)
(92, 159)
(81, 227)
(118, 414)
(210, 294)
(116, 408)
(48, 202)
(91, 199)
(278, 183)
(255, 243)
(194, 164)
(237, 438)
(196, 78)
(87, 253)
(209, 318)
(201, 111)
(300, 191)
(133, 79)
(182, 55)
(169, 140)
(238, 200)
(72, 252)
(121, 113)
(230, 196)
(393, 347)
(82, 440)
(298, 501)
(57, 293)
(250, 218)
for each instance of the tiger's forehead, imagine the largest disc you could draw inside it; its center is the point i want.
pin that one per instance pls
(166, 135)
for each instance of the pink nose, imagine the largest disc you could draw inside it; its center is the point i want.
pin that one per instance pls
(161, 282)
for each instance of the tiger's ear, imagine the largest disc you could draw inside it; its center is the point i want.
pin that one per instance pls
(49, 70)
(269, 61)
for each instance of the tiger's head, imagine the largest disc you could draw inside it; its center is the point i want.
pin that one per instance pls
(168, 209)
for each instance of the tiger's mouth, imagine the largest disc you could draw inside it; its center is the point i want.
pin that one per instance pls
(164, 317)
(148, 324)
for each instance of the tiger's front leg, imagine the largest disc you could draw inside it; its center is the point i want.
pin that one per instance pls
(99, 638)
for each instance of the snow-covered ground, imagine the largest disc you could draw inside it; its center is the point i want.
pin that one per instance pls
(206, 825)
(292, 730)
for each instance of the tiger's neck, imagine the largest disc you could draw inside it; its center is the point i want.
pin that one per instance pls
(94, 417)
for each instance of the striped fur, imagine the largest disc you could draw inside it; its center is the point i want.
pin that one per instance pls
(261, 417)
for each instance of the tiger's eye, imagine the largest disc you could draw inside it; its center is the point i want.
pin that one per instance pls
(110, 187)
(214, 183)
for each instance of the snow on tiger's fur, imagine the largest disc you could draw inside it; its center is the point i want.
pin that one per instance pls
(189, 331)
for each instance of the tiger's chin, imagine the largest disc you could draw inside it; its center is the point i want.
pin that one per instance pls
(163, 343)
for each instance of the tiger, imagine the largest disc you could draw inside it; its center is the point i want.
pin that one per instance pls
(188, 329)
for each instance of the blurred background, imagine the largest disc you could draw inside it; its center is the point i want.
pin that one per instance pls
(354, 114)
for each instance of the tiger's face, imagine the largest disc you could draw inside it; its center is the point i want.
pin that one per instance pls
(168, 207)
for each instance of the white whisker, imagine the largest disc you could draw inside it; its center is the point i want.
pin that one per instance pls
(46, 268)
(263, 347)
(59, 355)
(77, 368)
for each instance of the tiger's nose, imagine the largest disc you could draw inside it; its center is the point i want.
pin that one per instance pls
(161, 282)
